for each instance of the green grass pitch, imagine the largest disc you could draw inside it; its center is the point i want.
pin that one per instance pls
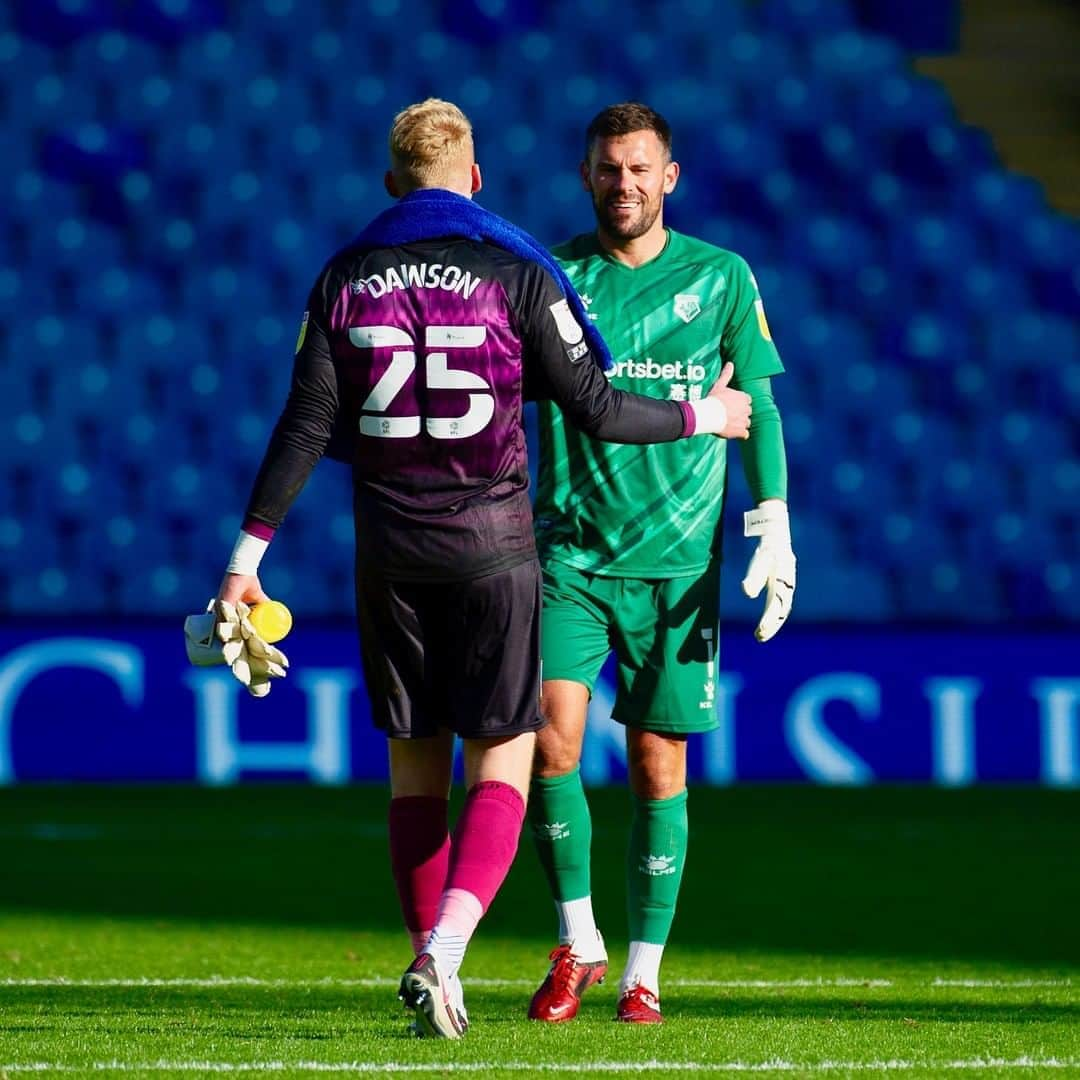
(158, 931)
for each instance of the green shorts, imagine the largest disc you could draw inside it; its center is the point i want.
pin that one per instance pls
(664, 633)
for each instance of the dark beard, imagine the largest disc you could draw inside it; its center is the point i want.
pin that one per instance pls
(643, 225)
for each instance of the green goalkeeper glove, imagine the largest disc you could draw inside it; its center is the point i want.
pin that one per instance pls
(772, 565)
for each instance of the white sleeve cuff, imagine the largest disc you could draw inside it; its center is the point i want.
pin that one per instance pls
(710, 416)
(246, 555)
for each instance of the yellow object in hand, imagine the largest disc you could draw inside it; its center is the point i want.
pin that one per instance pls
(272, 620)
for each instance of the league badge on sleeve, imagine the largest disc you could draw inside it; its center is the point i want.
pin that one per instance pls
(303, 332)
(763, 325)
(570, 330)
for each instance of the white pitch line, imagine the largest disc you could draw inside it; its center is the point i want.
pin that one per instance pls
(767, 984)
(213, 982)
(663, 1067)
(1000, 984)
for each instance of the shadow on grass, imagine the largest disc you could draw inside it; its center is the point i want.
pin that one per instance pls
(987, 874)
(305, 1004)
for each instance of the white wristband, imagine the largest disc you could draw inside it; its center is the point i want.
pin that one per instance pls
(710, 416)
(246, 554)
(769, 518)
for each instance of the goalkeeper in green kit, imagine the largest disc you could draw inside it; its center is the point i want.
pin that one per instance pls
(630, 543)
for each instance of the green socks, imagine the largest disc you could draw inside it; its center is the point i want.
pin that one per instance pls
(654, 866)
(562, 832)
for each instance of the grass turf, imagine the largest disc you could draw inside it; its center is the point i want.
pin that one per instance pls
(823, 932)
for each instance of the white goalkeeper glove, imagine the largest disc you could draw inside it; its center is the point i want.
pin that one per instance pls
(254, 662)
(224, 635)
(772, 565)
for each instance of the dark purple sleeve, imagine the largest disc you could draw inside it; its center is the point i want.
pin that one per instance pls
(561, 367)
(304, 427)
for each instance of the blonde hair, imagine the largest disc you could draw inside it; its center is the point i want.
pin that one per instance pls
(431, 144)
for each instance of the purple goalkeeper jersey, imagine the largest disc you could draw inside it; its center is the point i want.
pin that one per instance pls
(416, 361)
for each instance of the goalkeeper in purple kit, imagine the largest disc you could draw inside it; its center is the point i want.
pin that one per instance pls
(629, 541)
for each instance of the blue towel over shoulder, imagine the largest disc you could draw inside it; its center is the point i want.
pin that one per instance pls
(431, 213)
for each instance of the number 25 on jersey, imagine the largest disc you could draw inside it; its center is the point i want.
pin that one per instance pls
(438, 375)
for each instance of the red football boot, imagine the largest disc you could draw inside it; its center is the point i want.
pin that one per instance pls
(639, 1006)
(559, 996)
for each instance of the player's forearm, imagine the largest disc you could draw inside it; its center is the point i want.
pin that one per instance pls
(595, 407)
(299, 438)
(763, 456)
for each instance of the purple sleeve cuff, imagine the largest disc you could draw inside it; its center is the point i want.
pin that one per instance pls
(689, 420)
(258, 529)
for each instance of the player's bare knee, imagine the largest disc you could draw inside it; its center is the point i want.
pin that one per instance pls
(656, 764)
(557, 753)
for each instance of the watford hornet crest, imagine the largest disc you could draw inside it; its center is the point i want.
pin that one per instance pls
(687, 306)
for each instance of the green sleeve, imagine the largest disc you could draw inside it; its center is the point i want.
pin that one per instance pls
(763, 457)
(746, 340)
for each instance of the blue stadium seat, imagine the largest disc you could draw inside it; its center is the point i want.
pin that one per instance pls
(241, 197)
(929, 341)
(55, 589)
(819, 538)
(900, 537)
(826, 340)
(37, 198)
(790, 294)
(117, 290)
(845, 592)
(17, 150)
(1027, 438)
(900, 101)
(807, 18)
(1062, 582)
(114, 58)
(753, 60)
(948, 589)
(960, 482)
(194, 150)
(48, 100)
(832, 245)
(852, 58)
(215, 58)
(1010, 540)
(751, 242)
(89, 389)
(827, 154)
(16, 286)
(998, 198)
(986, 288)
(1050, 241)
(933, 242)
(1030, 339)
(264, 101)
(158, 102)
(918, 434)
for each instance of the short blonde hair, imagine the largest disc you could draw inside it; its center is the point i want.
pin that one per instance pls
(430, 143)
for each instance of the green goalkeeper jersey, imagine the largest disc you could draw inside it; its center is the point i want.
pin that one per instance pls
(650, 511)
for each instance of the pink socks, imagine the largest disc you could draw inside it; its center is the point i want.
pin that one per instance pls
(484, 844)
(419, 857)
